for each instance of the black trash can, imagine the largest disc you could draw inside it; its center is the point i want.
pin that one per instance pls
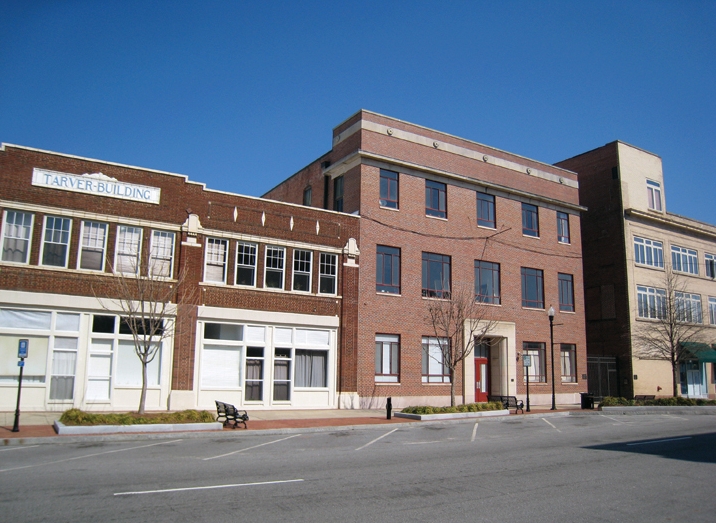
(587, 400)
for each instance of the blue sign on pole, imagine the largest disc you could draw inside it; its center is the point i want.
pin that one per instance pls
(22, 347)
(21, 363)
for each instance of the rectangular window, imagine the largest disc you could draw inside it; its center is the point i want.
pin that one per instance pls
(129, 241)
(327, 274)
(563, 227)
(388, 189)
(246, 264)
(688, 307)
(221, 356)
(94, 235)
(16, 231)
(254, 374)
(387, 354)
(566, 292)
(64, 363)
(485, 210)
(532, 288)
(434, 368)
(56, 241)
(161, 254)
(568, 358)
(436, 275)
(282, 375)
(215, 260)
(387, 270)
(651, 302)
(684, 260)
(710, 262)
(338, 194)
(648, 252)
(435, 199)
(302, 263)
(487, 282)
(311, 368)
(712, 312)
(129, 366)
(273, 274)
(307, 196)
(536, 370)
(653, 192)
(530, 220)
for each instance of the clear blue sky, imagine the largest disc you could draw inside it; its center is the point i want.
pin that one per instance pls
(240, 95)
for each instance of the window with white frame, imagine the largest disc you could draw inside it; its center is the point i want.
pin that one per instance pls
(653, 192)
(688, 307)
(536, 370)
(648, 252)
(387, 358)
(254, 384)
(64, 366)
(712, 310)
(568, 357)
(56, 241)
(221, 356)
(302, 263)
(161, 254)
(311, 368)
(563, 227)
(282, 374)
(273, 273)
(93, 245)
(651, 302)
(129, 242)
(684, 260)
(215, 260)
(327, 274)
(16, 232)
(246, 264)
(435, 369)
(710, 262)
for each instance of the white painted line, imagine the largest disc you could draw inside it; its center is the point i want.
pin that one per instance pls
(548, 423)
(474, 433)
(209, 487)
(421, 442)
(674, 417)
(90, 455)
(657, 441)
(249, 448)
(376, 439)
(613, 419)
(19, 448)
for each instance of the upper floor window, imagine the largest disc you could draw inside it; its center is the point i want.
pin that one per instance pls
(436, 275)
(302, 263)
(530, 220)
(94, 236)
(273, 277)
(648, 252)
(129, 241)
(435, 199)
(338, 194)
(651, 302)
(307, 196)
(532, 288)
(16, 231)
(712, 310)
(487, 282)
(215, 260)
(246, 264)
(653, 191)
(710, 262)
(684, 260)
(387, 354)
(566, 292)
(485, 210)
(327, 274)
(387, 269)
(56, 241)
(563, 227)
(388, 189)
(161, 254)
(688, 307)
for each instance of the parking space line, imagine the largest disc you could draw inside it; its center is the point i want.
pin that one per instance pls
(376, 439)
(249, 448)
(421, 442)
(19, 448)
(208, 487)
(474, 433)
(657, 441)
(548, 423)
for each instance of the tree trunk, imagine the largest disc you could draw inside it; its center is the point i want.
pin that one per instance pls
(452, 387)
(143, 397)
(675, 378)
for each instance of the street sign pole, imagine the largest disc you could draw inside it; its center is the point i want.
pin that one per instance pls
(22, 351)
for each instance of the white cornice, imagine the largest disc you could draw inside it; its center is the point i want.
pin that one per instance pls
(675, 221)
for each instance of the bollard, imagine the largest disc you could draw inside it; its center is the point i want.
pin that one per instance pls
(389, 407)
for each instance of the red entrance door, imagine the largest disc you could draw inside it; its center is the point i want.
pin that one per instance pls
(482, 372)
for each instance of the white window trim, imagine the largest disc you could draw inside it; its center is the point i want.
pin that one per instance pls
(648, 244)
(334, 276)
(687, 257)
(139, 251)
(310, 271)
(283, 269)
(653, 188)
(215, 241)
(29, 240)
(42, 242)
(150, 268)
(82, 246)
(254, 266)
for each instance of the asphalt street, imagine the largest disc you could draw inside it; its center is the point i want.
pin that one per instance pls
(533, 468)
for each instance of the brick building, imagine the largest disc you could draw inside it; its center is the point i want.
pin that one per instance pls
(634, 243)
(272, 302)
(437, 212)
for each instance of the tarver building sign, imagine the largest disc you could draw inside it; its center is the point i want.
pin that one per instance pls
(96, 184)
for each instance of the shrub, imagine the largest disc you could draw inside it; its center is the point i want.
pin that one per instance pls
(470, 407)
(79, 417)
(678, 401)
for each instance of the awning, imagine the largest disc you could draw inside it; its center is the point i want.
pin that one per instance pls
(703, 352)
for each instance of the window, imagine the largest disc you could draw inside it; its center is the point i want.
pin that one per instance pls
(536, 370)
(568, 357)
(712, 311)
(435, 199)
(487, 282)
(387, 354)
(64, 363)
(566, 292)
(311, 368)
(688, 307)
(388, 189)
(273, 277)
(648, 252)
(338, 194)
(653, 191)
(327, 272)
(307, 196)
(282, 375)
(651, 302)
(246, 264)
(161, 254)
(485, 210)
(436, 275)
(684, 260)
(434, 368)
(94, 235)
(302, 262)
(129, 366)
(221, 356)
(254, 374)
(56, 241)
(530, 220)
(710, 262)
(215, 262)
(532, 288)
(562, 227)
(129, 241)
(17, 228)
(387, 270)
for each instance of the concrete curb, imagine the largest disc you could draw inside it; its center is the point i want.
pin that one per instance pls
(709, 410)
(63, 429)
(453, 415)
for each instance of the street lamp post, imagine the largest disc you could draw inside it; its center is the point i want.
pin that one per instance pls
(550, 313)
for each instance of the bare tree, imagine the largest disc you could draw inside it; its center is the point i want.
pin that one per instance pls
(674, 322)
(460, 322)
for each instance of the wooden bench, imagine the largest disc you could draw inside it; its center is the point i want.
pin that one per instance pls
(230, 414)
(508, 402)
(644, 397)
